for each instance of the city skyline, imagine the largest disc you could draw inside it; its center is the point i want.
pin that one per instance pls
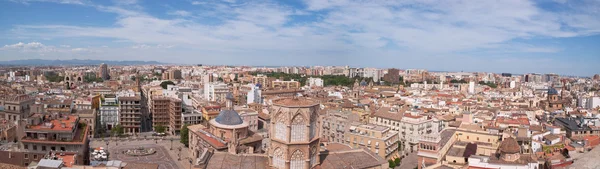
(505, 36)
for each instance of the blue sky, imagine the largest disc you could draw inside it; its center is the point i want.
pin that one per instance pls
(518, 36)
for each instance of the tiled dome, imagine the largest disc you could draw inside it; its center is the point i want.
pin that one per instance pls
(510, 146)
(552, 91)
(229, 117)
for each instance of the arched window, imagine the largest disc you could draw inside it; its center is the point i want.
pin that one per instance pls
(313, 156)
(278, 160)
(298, 129)
(280, 128)
(297, 160)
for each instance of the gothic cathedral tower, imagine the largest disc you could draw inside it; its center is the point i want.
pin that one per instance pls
(294, 134)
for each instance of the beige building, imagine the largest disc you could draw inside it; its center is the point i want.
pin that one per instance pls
(261, 79)
(16, 107)
(166, 112)
(292, 84)
(294, 134)
(378, 139)
(130, 114)
(335, 124)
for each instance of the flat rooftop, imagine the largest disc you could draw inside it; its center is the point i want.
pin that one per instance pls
(56, 124)
(295, 102)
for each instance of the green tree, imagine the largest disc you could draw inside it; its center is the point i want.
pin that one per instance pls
(117, 130)
(54, 78)
(160, 129)
(391, 164)
(184, 135)
(397, 161)
(164, 84)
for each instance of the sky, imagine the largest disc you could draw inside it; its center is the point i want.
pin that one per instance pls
(516, 36)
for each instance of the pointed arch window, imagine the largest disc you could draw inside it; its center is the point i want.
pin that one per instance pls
(298, 129)
(297, 160)
(278, 160)
(280, 128)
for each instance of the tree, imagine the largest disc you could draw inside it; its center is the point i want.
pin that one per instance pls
(391, 163)
(397, 161)
(184, 135)
(164, 84)
(160, 129)
(117, 130)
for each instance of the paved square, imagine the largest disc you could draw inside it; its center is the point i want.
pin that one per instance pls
(161, 157)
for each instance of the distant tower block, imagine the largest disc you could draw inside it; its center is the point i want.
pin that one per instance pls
(295, 134)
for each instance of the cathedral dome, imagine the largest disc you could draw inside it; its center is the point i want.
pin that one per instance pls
(229, 117)
(509, 146)
(552, 91)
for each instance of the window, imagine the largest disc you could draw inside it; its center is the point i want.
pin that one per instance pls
(278, 160)
(477, 138)
(298, 129)
(26, 146)
(467, 137)
(43, 148)
(297, 161)
(313, 126)
(35, 157)
(63, 149)
(34, 147)
(26, 156)
(53, 148)
(280, 128)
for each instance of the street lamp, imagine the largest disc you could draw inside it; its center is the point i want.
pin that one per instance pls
(171, 144)
(190, 160)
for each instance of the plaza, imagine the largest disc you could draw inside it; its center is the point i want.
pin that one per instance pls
(168, 154)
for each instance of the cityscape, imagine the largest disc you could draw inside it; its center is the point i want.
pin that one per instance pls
(172, 116)
(300, 84)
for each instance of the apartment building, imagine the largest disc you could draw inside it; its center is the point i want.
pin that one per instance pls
(216, 91)
(336, 123)
(130, 115)
(109, 111)
(166, 112)
(261, 79)
(16, 107)
(175, 115)
(57, 133)
(160, 111)
(279, 84)
(250, 116)
(379, 139)
(409, 123)
(191, 117)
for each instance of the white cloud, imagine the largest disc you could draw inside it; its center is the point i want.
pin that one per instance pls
(159, 46)
(80, 50)
(343, 29)
(198, 3)
(65, 46)
(28, 47)
(180, 13)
